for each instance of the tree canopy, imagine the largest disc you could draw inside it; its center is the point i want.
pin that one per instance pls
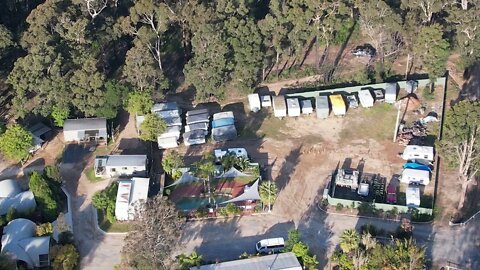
(16, 142)
(151, 127)
(45, 196)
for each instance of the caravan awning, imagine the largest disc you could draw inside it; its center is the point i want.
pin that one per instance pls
(186, 177)
(250, 193)
(232, 173)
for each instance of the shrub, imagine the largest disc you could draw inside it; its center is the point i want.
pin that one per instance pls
(11, 214)
(64, 257)
(339, 207)
(232, 209)
(16, 142)
(187, 261)
(53, 173)
(105, 200)
(369, 228)
(3, 220)
(223, 211)
(46, 196)
(44, 229)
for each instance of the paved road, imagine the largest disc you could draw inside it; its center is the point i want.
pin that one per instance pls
(227, 239)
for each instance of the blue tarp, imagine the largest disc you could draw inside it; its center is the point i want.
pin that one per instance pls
(416, 166)
(222, 122)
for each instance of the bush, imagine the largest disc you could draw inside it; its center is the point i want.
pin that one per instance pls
(11, 214)
(16, 142)
(44, 229)
(223, 211)
(232, 209)
(3, 220)
(46, 196)
(53, 173)
(339, 207)
(201, 213)
(64, 257)
(369, 228)
(105, 200)
(187, 261)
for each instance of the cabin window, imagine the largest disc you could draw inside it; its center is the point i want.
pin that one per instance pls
(113, 170)
(425, 156)
(43, 260)
(124, 168)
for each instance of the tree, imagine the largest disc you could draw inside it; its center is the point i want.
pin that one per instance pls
(268, 192)
(141, 72)
(139, 102)
(59, 115)
(44, 196)
(53, 173)
(188, 261)
(44, 229)
(151, 127)
(16, 142)
(425, 7)
(6, 39)
(349, 240)
(64, 257)
(293, 238)
(300, 249)
(171, 162)
(432, 50)
(151, 247)
(460, 145)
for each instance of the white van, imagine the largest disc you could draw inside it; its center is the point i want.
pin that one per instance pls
(271, 245)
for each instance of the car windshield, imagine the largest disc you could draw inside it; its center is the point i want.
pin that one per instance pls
(258, 246)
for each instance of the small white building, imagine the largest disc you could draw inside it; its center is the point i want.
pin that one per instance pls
(366, 98)
(238, 152)
(121, 165)
(307, 107)
(266, 101)
(130, 194)
(19, 240)
(293, 107)
(418, 152)
(85, 129)
(254, 102)
(167, 142)
(322, 107)
(413, 196)
(279, 106)
(412, 176)
(280, 261)
(391, 93)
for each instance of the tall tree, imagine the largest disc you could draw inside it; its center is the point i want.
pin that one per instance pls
(432, 50)
(349, 240)
(427, 8)
(460, 145)
(6, 39)
(171, 162)
(154, 237)
(467, 37)
(139, 102)
(268, 192)
(151, 127)
(16, 142)
(44, 195)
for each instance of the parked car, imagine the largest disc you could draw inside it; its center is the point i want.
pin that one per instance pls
(391, 194)
(271, 245)
(364, 50)
(352, 101)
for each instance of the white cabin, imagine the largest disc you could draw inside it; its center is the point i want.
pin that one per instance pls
(120, 165)
(307, 107)
(279, 106)
(85, 129)
(129, 195)
(293, 107)
(254, 102)
(391, 93)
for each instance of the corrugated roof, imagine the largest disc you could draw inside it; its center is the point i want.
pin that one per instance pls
(85, 124)
(39, 129)
(281, 261)
(337, 101)
(126, 160)
(165, 106)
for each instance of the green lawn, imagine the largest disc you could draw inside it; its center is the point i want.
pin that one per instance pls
(105, 225)
(91, 175)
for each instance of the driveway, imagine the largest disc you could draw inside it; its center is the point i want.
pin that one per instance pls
(75, 153)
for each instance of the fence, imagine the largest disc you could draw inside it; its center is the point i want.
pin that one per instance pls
(380, 206)
(354, 89)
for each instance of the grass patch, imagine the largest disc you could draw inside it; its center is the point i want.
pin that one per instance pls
(377, 123)
(104, 149)
(105, 225)
(272, 128)
(89, 172)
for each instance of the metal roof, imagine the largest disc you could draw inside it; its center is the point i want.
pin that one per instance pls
(126, 160)
(39, 129)
(165, 106)
(281, 261)
(85, 124)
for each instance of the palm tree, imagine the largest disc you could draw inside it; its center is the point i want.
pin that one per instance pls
(268, 192)
(368, 241)
(349, 240)
(242, 163)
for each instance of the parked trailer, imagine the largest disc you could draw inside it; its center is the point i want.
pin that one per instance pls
(293, 107)
(254, 102)
(366, 98)
(266, 101)
(322, 107)
(391, 93)
(412, 176)
(307, 107)
(338, 105)
(418, 152)
(279, 106)
(413, 196)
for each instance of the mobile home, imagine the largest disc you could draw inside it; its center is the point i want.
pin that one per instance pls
(293, 107)
(322, 107)
(338, 105)
(86, 129)
(411, 176)
(366, 98)
(120, 165)
(279, 106)
(418, 152)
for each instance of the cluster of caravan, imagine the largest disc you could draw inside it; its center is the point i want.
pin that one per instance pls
(416, 171)
(196, 125)
(337, 103)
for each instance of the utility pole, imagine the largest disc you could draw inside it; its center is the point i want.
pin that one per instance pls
(395, 132)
